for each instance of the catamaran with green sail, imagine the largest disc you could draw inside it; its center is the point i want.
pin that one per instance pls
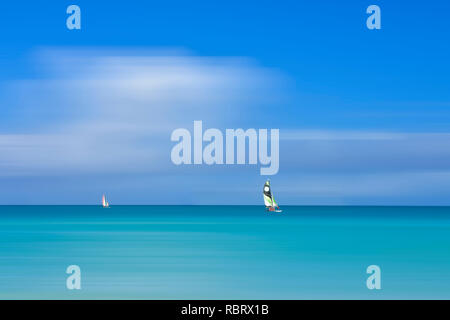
(269, 200)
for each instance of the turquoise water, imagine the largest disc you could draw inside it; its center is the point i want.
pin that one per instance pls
(224, 252)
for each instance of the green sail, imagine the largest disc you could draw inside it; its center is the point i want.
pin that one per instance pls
(273, 202)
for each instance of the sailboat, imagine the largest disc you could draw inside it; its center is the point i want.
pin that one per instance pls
(269, 201)
(105, 203)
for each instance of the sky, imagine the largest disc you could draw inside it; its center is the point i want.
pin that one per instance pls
(363, 114)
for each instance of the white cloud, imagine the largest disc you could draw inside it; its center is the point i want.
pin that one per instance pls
(331, 135)
(336, 135)
(386, 188)
(91, 110)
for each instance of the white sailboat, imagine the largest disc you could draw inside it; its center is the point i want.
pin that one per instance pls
(269, 200)
(105, 203)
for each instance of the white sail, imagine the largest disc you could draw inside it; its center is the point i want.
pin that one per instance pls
(267, 201)
(105, 203)
(267, 195)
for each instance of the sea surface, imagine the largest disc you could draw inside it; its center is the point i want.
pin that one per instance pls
(224, 252)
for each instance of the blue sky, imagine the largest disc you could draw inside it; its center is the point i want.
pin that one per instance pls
(363, 114)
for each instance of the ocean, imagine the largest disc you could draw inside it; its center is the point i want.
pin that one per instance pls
(224, 252)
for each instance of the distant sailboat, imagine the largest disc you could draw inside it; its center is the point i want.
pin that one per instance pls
(269, 200)
(105, 203)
